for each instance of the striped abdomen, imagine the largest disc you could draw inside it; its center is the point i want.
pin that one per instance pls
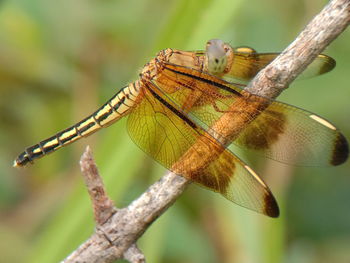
(117, 107)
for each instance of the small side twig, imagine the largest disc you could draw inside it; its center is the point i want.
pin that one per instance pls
(103, 206)
(134, 255)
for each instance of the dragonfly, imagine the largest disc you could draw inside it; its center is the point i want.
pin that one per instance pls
(179, 111)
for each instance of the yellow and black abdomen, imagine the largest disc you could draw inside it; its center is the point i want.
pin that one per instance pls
(118, 106)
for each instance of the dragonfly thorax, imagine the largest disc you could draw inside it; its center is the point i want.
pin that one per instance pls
(156, 65)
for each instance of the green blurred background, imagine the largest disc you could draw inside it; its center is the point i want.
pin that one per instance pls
(60, 60)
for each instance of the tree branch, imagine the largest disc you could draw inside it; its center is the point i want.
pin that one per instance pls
(116, 237)
(103, 206)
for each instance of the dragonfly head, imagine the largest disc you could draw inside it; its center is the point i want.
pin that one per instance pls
(218, 57)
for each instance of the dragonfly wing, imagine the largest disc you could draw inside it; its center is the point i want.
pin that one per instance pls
(247, 64)
(161, 128)
(237, 182)
(291, 135)
(279, 131)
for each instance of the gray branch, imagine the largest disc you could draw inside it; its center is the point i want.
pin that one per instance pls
(116, 237)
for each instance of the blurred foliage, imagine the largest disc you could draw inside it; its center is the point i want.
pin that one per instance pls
(60, 60)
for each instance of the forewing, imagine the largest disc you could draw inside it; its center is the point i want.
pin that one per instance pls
(291, 135)
(279, 131)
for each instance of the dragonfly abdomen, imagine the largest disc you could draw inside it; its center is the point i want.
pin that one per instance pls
(114, 109)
